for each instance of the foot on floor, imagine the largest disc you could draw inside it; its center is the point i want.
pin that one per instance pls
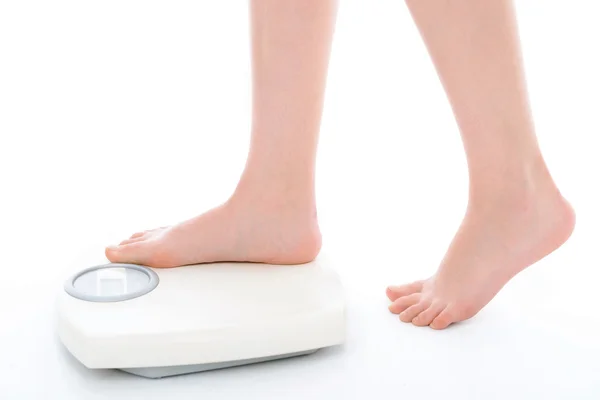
(493, 244)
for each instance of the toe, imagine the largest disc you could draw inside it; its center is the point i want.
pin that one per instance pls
(134, 240)
(146, 232)
(427, 316)
(134, 253)
(403, 303)
(443, 320)
(414, 310)
(395, 292)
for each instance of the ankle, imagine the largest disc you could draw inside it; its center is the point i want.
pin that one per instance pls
(265, 191)
(288, 222)
(514, 188)
(279, 205)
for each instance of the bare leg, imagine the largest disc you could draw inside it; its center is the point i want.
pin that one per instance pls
(516, 215)
(271, 217)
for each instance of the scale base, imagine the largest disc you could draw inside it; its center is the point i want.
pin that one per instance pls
(163, 372)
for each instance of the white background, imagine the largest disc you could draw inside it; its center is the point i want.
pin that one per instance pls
(117, 116)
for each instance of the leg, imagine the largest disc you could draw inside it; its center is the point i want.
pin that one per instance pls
(515, 215)
(271, 217)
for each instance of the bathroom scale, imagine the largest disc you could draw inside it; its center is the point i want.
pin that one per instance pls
(163, 322)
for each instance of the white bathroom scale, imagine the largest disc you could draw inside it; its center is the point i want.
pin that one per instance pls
(163, 322)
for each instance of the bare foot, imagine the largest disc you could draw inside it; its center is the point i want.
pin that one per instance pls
(494, 243)
(244, 229)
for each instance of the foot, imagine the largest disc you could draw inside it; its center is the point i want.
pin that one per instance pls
(494, 243)
(245, 229)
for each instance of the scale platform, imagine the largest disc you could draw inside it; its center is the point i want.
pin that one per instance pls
(163, 322)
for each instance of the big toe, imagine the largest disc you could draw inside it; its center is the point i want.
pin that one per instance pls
(137, 252)
(443, 320)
